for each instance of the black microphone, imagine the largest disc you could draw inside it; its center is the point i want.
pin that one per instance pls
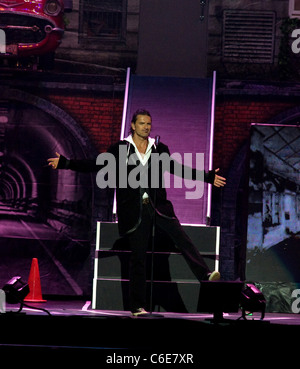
(157, 139)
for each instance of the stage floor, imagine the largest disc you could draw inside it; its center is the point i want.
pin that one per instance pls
(76, 332)
(84, 308)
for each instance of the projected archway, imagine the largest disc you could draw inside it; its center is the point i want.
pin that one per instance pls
(44, 213)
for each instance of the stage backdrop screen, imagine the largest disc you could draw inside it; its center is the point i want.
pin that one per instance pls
(181, 111)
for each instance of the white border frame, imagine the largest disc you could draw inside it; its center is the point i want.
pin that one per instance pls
(211, 142)
(122, 134)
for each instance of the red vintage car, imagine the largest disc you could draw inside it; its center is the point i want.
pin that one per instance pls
(32, 27)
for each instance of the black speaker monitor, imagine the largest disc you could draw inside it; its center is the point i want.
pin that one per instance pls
(219, 297)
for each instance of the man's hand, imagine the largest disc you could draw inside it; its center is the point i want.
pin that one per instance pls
(53, 162)
(219, 181)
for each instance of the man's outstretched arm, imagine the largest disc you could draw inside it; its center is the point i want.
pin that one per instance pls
(84, 165)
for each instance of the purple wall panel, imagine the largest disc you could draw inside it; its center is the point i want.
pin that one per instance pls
(180, 109)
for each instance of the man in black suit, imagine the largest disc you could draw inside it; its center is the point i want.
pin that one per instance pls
(136, 205)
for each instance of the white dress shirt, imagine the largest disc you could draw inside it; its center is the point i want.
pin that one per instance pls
(142, 157)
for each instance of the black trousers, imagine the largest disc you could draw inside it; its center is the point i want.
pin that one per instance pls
(139, 241)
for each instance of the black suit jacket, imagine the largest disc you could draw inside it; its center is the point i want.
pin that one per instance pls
(129, 200)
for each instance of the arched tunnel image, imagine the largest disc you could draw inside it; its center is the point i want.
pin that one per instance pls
(43, 213)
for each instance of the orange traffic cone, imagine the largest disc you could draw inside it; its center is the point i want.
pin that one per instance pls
(35, 294)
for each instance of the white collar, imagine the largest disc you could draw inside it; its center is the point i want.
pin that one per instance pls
(151, 142)
(142, 157)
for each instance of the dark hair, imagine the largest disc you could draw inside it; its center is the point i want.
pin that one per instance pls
(136, 113)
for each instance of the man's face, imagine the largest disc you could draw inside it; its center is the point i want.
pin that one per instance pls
(142, 126)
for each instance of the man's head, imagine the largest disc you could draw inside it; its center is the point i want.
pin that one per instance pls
(141, 123)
